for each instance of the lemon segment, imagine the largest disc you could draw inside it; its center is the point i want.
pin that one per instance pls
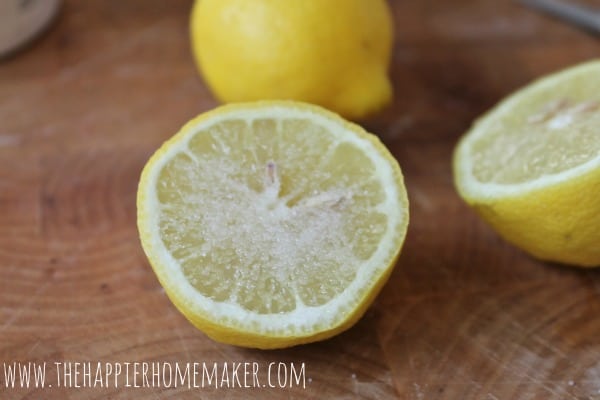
(272, 224)
(531, 167)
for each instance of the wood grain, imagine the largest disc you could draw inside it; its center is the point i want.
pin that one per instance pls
(464, 316)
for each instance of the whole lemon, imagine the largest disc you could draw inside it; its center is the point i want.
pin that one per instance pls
(334, 53)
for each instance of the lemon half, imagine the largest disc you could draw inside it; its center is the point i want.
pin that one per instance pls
(531, 167)
(272, 224)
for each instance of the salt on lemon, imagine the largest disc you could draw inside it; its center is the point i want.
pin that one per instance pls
(531, 167)
(272, 224)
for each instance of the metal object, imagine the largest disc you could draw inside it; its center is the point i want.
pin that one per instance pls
(583, 17)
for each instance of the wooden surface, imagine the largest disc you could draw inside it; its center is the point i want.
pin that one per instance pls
(464, 315)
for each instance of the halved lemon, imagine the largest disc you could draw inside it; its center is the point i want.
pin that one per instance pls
(531, 167)
(272, 224)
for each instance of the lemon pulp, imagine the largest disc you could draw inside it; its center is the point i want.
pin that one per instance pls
(551, 132)
(277, 220)
(531, 167)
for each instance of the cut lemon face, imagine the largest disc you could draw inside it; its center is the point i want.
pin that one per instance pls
(531, 167)
(272, 224)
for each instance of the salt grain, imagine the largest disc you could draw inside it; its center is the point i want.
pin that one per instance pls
(282, 244)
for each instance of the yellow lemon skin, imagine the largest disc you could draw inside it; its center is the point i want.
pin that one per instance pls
(328, 52)
(231, 331)
(559, 223)
(234, 336)
(556, 215)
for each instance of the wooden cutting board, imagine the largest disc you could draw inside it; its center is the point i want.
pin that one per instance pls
(464, 315)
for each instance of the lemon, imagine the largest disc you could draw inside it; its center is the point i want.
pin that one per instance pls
(531, 167)
(271, 224)
(335, 54)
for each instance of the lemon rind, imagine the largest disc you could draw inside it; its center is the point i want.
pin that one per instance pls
(307, 321)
